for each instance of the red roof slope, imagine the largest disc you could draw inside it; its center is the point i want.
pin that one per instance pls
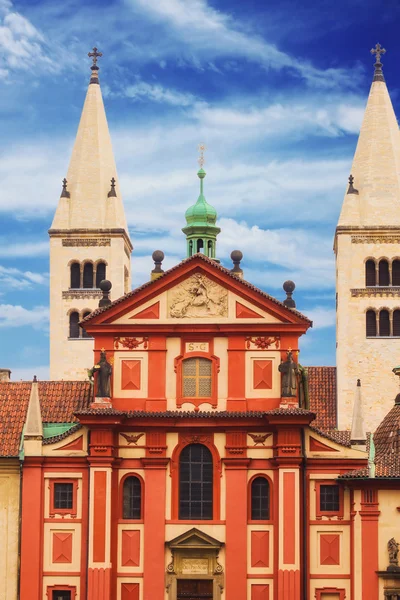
(58, 400)
(322, 394)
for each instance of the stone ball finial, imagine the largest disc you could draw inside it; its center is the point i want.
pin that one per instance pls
(289, 287)
(105, 285)
(236, 255)
(158, 256)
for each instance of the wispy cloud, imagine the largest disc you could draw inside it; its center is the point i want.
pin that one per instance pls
(18, 316)
(142, 90)
(24, 249)
(15, 279)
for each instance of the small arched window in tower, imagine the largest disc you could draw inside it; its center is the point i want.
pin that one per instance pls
(74, 329)
(259, 499)
(210, 252)
(132, 498)
(190, 247)
(384, 273)
(84, 333)
(396, 272)
(371, 323)
(195, 483)
(75, 275)
(100, 273)
(396, 323)
(196, 378)
(370, 273)
(200, 246)
(384, 323)
(88, 275)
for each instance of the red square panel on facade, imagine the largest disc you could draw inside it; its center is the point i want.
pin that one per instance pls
(130, 548)
(62, 547)
(129, 591)
(260, 549)
(130, 375)
(260, 591)
(262, 374)
(329, 549)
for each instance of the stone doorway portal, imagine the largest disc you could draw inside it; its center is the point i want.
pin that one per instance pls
(194, 589)
(194, 572)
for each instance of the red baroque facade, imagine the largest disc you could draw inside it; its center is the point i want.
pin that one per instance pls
(196, 478)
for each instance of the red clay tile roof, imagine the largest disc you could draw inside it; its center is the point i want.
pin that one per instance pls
(181, 414)
(322, 394)
(58, 400)
(387, 448)
(217, 266)
(340, 437)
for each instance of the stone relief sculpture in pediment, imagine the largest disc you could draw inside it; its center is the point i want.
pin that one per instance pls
(197, 297)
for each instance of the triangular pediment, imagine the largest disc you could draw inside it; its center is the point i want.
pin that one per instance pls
(194, 539)
(196, 290)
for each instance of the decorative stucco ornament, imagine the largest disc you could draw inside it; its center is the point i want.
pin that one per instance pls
(198, 297)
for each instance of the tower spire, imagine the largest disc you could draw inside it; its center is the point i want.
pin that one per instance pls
(376, 164)
(201, 231)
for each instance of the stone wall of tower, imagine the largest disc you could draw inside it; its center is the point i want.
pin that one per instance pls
(369, 359)
(70, 358)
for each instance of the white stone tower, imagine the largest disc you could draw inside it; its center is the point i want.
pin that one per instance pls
(368, 264)
(89, 239)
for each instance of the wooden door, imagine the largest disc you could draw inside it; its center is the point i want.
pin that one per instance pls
(195, 589)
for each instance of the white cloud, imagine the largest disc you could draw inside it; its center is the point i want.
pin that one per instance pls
(158, 93)
(13, 278)
(321, 317)
(18, 316)
(24, 249)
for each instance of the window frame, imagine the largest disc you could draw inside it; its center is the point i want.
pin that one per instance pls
(196, 518)
(178, 366)
(122, 519)
(60, 588)
(53, 511)
(207, 439)
(328, 513)
(249, 500)
(330, 590)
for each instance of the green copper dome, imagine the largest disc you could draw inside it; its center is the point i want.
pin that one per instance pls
(201, 230)
(201, 213)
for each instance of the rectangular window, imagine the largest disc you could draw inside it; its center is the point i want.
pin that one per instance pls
(196, 378)
(329, 498)
(63, 497)
(61, 595)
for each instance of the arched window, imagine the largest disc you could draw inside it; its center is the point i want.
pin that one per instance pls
(200, 245)
(75, 275)
(370, 273)
(383, 273)
(132, 498)
(371, 323)
(396, 323)
(210, 252)
(100, 273)
(396, 272)
(84, 334)
(74, 325)
(195, 483)
(190, 247)
(260, 499)
(196, 378)
(88, 275)
(384, 323)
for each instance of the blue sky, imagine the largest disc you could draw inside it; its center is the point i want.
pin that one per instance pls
(276, 90)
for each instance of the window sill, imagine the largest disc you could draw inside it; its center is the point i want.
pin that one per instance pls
(80, 339)
(383, 337)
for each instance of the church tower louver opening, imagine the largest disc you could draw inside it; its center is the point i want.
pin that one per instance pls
(89, 239)
(368, 263)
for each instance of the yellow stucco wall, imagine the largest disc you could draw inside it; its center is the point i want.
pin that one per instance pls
(9, 531)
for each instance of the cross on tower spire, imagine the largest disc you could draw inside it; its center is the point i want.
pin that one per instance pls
(378, 51)
(201, 148)
(94, 56)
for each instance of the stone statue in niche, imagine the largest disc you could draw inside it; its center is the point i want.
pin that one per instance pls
(103, 382)
(198, 297)
(290, 371)
(393, 550)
